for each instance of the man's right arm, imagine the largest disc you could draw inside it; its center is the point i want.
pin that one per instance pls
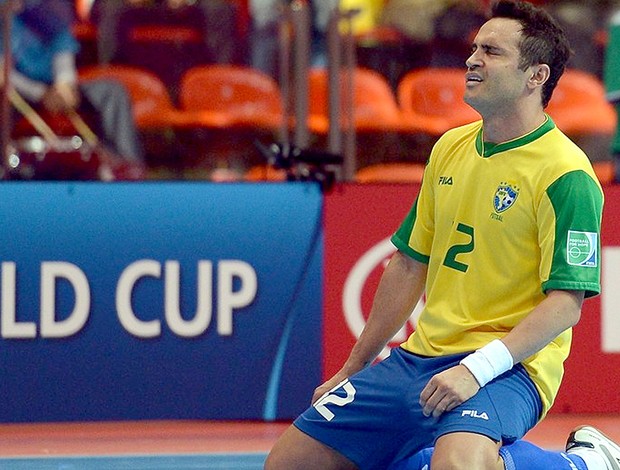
(399, 290)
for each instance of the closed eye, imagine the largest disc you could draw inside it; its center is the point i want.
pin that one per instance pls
(488, 49)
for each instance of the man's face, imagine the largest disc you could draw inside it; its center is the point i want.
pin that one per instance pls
(494, 81)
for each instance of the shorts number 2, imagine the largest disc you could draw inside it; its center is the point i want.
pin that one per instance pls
(330, 398)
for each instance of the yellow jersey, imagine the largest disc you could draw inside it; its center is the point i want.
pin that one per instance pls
(498, 226)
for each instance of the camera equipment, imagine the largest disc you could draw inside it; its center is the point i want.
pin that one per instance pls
(302, 164)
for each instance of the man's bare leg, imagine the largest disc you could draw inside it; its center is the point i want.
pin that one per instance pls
(296, 450)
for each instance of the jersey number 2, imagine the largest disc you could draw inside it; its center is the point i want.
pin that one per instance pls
(455, 250)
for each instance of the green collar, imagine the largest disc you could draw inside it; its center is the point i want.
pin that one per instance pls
(488, 149)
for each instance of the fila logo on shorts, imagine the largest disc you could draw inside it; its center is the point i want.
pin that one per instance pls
(475, 414)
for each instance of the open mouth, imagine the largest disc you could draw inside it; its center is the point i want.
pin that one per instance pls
(472, 78)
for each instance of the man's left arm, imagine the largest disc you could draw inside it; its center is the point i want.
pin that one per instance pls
(560, 310)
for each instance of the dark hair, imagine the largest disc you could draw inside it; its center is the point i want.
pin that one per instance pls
(543, 40)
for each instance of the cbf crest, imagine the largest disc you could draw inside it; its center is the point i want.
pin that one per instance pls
(505, 196)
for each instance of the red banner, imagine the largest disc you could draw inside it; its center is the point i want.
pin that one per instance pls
(359, 219)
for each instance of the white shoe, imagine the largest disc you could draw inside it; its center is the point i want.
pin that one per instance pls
(587, 437)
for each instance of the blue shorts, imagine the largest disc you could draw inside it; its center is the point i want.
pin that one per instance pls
(375, 417)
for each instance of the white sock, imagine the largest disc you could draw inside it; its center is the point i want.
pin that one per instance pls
(592, 459)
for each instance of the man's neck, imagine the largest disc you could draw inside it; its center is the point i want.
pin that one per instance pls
(503, 127)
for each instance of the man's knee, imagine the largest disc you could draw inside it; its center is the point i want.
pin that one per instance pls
(453, 461)
(463, 451)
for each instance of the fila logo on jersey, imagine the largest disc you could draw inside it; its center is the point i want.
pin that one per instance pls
(475, 414)
(445, 180)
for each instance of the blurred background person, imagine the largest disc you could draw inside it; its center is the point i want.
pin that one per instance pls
(44, 73)
(265, 17)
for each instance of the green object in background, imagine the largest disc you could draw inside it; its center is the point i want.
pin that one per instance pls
(611, 73)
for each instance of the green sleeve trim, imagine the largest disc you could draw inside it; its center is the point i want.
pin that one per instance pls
(577, 202)
(591, 289)
(488, 149)
(406, 249)
(401, 238)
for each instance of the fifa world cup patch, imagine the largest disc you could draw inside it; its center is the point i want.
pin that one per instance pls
(505, 196)
(582, 249)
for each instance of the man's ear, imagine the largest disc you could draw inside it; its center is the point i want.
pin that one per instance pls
(539, 75)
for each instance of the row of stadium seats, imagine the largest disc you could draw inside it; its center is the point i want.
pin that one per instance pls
(428, 101)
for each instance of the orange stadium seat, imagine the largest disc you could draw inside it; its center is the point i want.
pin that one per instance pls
(433, 98)
(578, 105)
(152, 105)
(605, 171)
(390, 173)
(165, 33)
(374, 104)
(264, 173)
(247, 101)
(166, 130)
(242, 95)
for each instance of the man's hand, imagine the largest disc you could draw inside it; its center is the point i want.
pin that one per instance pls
(327, 386)
(447, 390)
(61, 97)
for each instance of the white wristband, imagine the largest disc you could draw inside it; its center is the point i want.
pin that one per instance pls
(489, 362)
